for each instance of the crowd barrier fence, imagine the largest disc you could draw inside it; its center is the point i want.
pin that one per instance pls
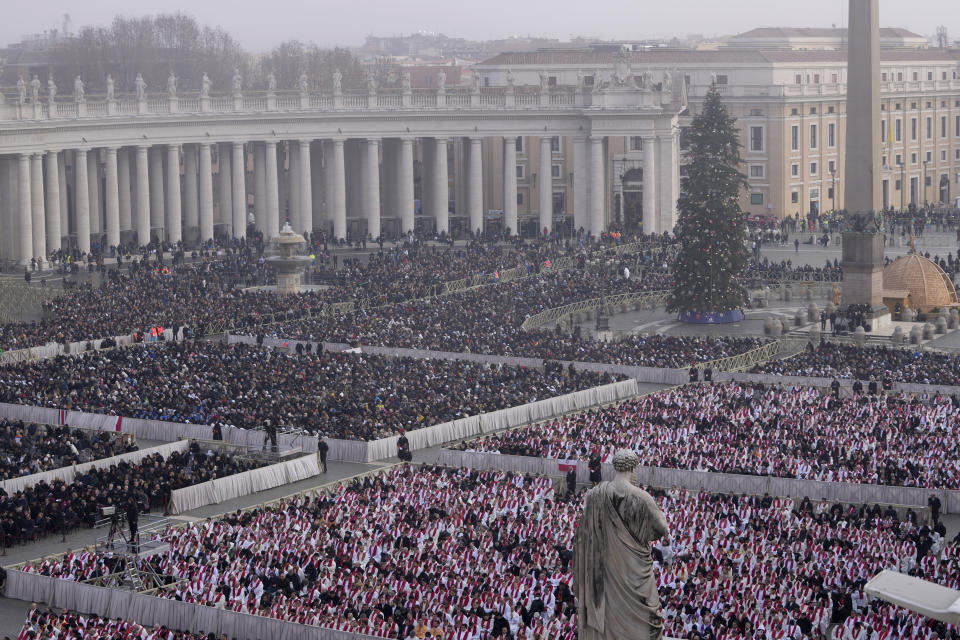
(243, 484)
(692, 480)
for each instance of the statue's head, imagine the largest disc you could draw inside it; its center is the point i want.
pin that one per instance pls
(625, 460)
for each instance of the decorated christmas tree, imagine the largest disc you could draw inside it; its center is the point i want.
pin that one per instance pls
(711, 228)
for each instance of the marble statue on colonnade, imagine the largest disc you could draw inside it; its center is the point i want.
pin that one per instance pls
(613, 572)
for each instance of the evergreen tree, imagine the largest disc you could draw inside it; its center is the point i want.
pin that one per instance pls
(711, 228)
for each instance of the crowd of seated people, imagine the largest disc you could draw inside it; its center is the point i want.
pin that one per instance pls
(51, 624)
(56, 507)
(345, 395)
(830, 360)
(27, 448)
(791, 433)
(464, 554)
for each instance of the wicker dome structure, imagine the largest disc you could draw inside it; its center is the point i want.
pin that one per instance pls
(928, 284)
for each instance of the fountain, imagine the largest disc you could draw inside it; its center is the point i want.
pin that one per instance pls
(288, 264)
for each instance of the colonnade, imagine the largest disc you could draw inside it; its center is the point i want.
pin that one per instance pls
(126, 194)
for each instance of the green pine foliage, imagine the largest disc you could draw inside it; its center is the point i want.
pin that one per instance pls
(711, 227)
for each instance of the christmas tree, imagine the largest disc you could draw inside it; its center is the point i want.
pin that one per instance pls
(711, 229)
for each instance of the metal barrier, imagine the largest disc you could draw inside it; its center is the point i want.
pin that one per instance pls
(641, 299)
(747, 360)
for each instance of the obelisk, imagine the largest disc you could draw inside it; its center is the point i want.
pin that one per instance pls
(862, 168)
(863, 239)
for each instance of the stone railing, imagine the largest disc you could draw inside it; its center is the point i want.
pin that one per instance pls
(17, 107)
(747, 360)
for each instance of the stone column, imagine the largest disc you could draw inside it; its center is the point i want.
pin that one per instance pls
(37, 208)
(156, 187)
(405, 200)
(226, 188)
(93, 188)
(143, 196)
(206, 193)
(111, 196)
(64, 197)
(293, 187)
(581, 218)
(650, 186)
(306, 188)
(273, 192)
(174, 221)
(338, 190)
(81, 199)
(441, 186)
(318, 177)
(371, 184)
(596, 185)
(260, 186)
(8, 210)
(510, 184)
(52, 200)
(239, 199)
(546, 185)
(668, 189)
(123, 184)
(191, 201)
(26, 222)
(475, 188)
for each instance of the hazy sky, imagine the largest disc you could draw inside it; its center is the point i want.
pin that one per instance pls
(261, 24)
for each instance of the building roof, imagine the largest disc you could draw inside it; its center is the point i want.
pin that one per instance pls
(721, 56)
(927, 283)
(816, 32)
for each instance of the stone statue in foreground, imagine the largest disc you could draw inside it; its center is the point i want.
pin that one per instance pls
(613, 573)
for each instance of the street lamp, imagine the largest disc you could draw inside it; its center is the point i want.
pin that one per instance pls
(903, 173)
(833, 188)
(925, 162)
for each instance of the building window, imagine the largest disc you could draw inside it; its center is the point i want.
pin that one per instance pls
(721, 79)
(956, 154)
(519, 198)
(883, 131)
(913, 158)
(943, 76)
(929, 105)
(913, 106)
(956, 125)
(896, 185)
(795, 170)
(898, 131)
(899, 159)
(519, 144)
(883, 76)
(897, 106)
(794, 197)
(756, 198)
(588, 81)
(832, 166)
(943, 155)
(830, 109)
(943, 126)
(552, 81)
(794, 112)
(900, 77)
(756, 112)
(929, 75)
(555, 144)
(929, 124)
(927, 181)
(834, 78)
(913, 128)
(813, 168)
(929, 157)
(756, 171)
(831, 135)
(813, 136)
(798, 79)
(916, 76)
(830, 192)
(555, 171)
(520, 171)
(795, 138)
(636, 143)
(813, 111)
(756, 138)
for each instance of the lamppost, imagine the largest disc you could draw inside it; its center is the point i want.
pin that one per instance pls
(925, 162)
(903, 174)
(833, 189)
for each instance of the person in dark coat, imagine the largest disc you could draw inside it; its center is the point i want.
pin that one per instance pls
(322, 448)
(403, 447)
(594, 466)
(572, 480)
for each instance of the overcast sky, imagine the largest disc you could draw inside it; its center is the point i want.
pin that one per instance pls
(261, 24)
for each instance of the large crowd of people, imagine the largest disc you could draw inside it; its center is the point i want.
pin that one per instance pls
(27, 448)
(464, 554)
(154, 292)
(55, 507)
(342, 395)
(50, 624)
(830, 360)
(792, 433)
